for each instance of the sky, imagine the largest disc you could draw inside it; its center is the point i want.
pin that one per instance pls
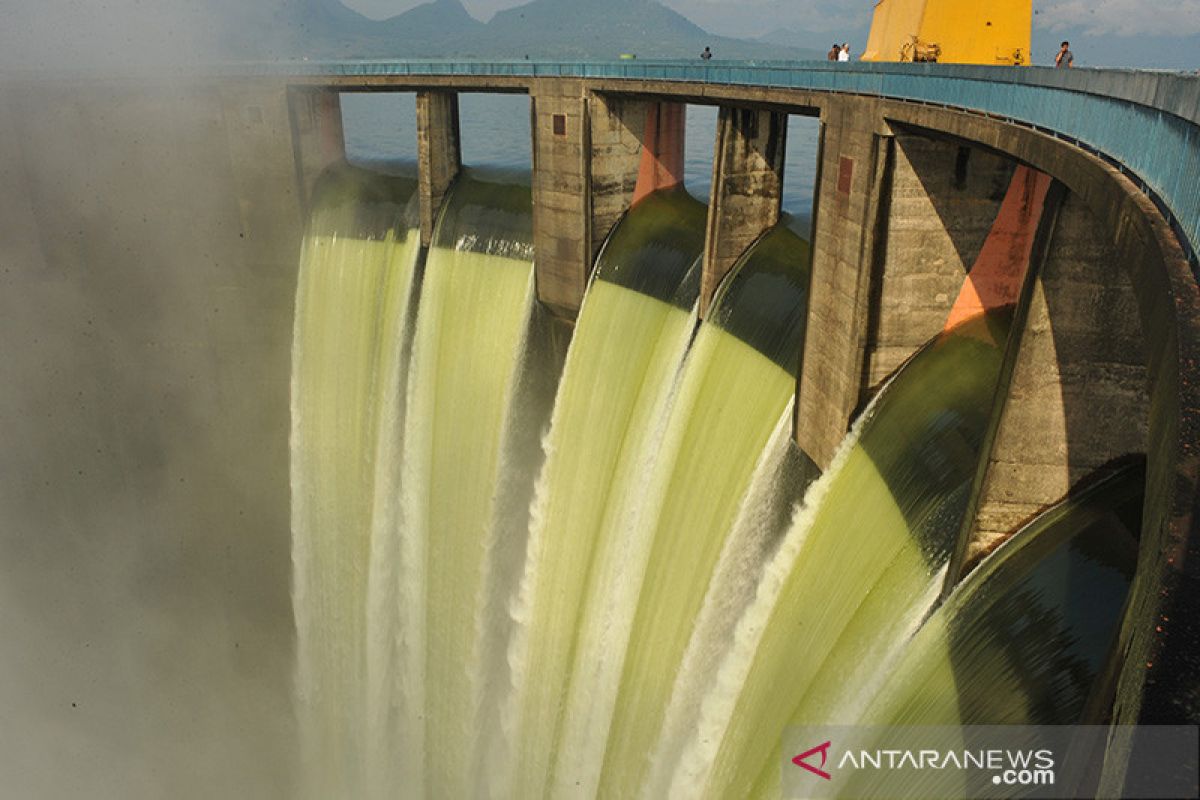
(750, 18)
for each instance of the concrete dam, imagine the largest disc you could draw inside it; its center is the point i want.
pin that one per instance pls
(449, 482)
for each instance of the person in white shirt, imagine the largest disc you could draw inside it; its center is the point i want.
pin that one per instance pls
(845, 54)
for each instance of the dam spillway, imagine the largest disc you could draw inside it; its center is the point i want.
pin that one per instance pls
(911, 174)
(555, 673)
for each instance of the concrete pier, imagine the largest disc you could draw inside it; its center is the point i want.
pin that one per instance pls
(618, 129)
(747, 190)
(439, 154)
(561, 176)
(848, 214)
(593, 156)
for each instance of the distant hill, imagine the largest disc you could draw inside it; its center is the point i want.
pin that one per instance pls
(125, 33)
(541, 29)
(441, 18)
(607, 28)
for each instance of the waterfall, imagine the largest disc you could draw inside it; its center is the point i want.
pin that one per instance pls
(357, 272)
(471, 329)
(632, 334)
(616, 574)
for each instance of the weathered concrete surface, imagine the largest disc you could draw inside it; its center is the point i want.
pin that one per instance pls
(593, 154)
(1078, 397)
(317, 136)
(618, 127)
(636, 148)
(439, 154)
(941, 201)
(850, 184)
(561, 202)
(747, 190)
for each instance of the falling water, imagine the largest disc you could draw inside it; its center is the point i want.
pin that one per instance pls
(1026, 638)
(475, 311)
(632, 334)
(356, 275)
(887, 516)
(735, 389)
(632, 606)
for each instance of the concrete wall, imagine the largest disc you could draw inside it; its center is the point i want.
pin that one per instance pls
(941, 200)
(271, 206)
(1078, 398)
(747, 189)
(561, 175)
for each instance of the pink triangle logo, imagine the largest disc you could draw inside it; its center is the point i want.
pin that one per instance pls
(823, 749)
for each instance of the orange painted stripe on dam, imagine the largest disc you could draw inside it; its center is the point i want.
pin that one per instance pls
(994, 281)
(661, 166)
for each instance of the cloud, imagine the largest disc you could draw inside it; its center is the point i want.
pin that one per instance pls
(1121, 17)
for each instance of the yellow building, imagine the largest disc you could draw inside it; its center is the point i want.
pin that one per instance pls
(951, 31)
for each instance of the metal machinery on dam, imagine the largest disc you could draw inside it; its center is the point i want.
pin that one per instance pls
(1083, 184)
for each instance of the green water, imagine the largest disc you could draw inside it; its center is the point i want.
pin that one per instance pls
(476, 301)
(639, 607)
(618, 381)
(731, 398)
(356, 276)
(1025, 638)
(763, 517)
(1022, 640)
(859, 565)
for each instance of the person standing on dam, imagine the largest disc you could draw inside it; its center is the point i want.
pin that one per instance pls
(707, 54)
(844, 55)
(1065, 59)
(834, 52)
